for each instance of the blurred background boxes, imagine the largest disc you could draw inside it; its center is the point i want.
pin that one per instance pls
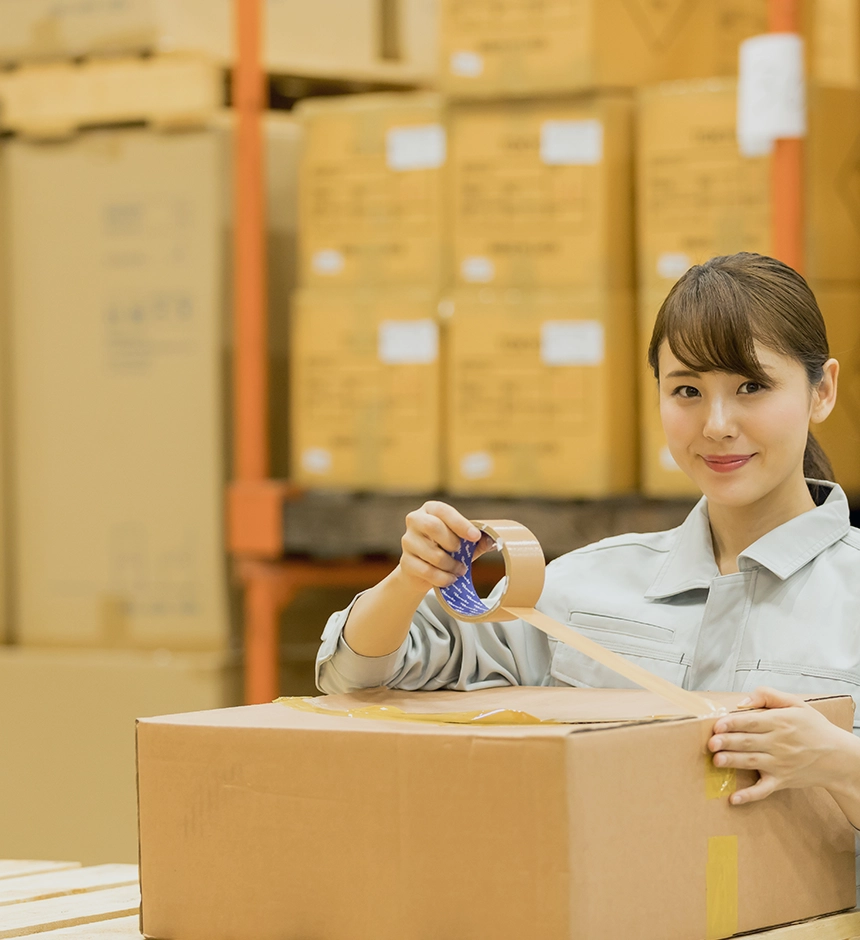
(541, 392)
(541, 193)
(699, 196)
(366, 389)
(327, 37)
(370, 207)
(521, 47)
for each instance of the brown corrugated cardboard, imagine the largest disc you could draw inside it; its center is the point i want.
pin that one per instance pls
(370, 201)
(5, 532)
(839, 435)
(67, 739)
(117, 411)
(523, 48)
(397, 39)
(614, 825)
(541, 193)
(366, 389)
(540, 393)
(698, 197)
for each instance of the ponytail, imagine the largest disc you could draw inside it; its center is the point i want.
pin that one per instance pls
(816, 466)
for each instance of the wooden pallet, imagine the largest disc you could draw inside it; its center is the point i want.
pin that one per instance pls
(64, 899)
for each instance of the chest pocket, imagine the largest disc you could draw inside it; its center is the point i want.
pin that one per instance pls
(648, 645)
(801, 680)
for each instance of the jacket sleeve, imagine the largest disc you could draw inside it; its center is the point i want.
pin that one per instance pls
(439, 652)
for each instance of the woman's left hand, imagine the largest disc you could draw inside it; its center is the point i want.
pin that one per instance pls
(791, 745)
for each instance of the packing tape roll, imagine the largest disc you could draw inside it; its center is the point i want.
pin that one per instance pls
(524, 579)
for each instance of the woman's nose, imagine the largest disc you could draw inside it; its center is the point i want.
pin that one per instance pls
(719, 420)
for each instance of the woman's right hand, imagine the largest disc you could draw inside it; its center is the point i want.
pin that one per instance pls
(432, 532)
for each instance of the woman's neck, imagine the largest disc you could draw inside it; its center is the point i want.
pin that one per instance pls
(735, 528)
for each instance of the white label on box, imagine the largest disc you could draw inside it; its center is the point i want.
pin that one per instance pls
(408, 342)
(416, 148)
(477, 269)
(672, 264)
(667, 461)
(571, 143)
(466, 64)
(771, 92)
(327, 261)
(571, 342)
(477, 465)
(316, 460)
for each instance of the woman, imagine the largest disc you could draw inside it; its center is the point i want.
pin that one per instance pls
(759, 588)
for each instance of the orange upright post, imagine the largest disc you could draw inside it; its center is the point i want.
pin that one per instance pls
(250, 372)
(787, 163)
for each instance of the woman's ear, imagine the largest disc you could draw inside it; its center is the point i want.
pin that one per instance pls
(824, 394)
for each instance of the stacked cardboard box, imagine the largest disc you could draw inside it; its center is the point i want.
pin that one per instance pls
(700, 197)
(366, 374)
(393, 40)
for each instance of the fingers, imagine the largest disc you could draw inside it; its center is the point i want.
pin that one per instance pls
(433, 532)
(766, 697)
(762, 788)
(738, 742)
(742, 760)
(454, 520)
(485, 545)
(416, 567)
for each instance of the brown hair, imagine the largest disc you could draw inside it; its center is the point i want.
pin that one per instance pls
(718, 310)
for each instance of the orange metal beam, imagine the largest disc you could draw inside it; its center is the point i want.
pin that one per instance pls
(787, 164)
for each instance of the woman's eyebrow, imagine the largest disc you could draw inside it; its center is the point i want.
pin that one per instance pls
(683, 373)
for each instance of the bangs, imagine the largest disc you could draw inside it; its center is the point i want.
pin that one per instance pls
(712, 323)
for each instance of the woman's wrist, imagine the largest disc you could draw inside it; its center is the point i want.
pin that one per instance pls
(841, 768)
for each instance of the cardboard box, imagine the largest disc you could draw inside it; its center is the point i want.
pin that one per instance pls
(370, 39)
(541, 193)
(117, 390)
(541, 394)
(699, 197)
(839, 435)
(520, 47)
(366, 390)
(67, 739)
(614, 824)
(5, 519)
(370, 203)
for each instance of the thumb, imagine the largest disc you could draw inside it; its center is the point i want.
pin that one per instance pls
(766, 697)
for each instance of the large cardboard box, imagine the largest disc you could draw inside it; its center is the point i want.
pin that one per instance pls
(541, 193)
(519, 47)
(698, 196)
(370, 203)
(329, 37)
(5, 518)
(366, 389)
(67, 739)
(839, 435)
(612, 823)
(541, 394)
(117, 390)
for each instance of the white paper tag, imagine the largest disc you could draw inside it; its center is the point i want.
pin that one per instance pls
(672, 264)
(476, 466)
(416, 148)
(466, 64)
(571, 342)
(405, 342)
(316, 460)
(771, 92)
(477, 269)
(571, 143)
(328, 261)
(667, 461)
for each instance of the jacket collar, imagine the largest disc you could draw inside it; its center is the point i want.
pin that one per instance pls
(783, 551)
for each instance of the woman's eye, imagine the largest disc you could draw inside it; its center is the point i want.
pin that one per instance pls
(686, 391)
(748, 388)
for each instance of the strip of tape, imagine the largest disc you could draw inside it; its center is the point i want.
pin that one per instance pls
(722, 887)
(524, 579)
(494, 716)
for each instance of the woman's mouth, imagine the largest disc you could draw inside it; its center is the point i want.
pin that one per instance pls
(727, 462)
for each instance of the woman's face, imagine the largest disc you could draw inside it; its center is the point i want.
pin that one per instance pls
(736, 439)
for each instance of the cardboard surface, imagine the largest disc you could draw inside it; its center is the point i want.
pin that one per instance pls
(370, 204)
(5, 456)
(299, 38)
(699, 197)
(541, 396)
(118, 426)
(541, 193)
(569, 831)
(67, 739)
(366, 389)
(522, 48)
